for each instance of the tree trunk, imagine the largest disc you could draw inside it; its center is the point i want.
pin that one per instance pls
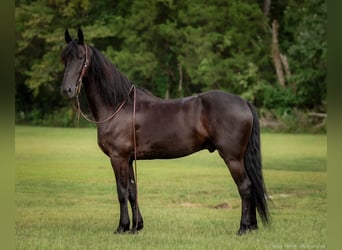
(167, 91)
(276, 54)
(180, 83)
(286, 68)
(285, 64)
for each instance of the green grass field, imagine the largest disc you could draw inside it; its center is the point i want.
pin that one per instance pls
(66, 196)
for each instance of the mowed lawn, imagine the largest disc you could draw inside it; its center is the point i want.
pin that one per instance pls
(66, 196)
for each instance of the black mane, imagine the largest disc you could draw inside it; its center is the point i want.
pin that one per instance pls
(113, 85)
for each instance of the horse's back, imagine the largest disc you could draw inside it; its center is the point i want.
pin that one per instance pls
(220, 99)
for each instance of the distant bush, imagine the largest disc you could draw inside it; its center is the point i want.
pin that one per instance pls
(292, 121)
(63, 117)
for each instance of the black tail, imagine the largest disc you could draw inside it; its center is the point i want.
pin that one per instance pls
(254, 169)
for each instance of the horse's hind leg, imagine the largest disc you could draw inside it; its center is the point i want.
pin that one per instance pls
(253, 216)
(138, 223)
(244, 185)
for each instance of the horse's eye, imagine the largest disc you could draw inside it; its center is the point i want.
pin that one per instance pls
(81, 57)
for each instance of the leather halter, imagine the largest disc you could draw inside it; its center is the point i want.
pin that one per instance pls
(83, 70)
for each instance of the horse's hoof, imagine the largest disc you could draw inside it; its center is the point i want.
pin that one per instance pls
(137, 228)
(134, 231)
(121, 230)
(140, 226)
(247, 229)
(242, 232)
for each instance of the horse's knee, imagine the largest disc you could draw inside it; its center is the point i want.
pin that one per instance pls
(245, 188)
(122, 194)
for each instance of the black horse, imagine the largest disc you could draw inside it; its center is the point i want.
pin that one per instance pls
(165, 129)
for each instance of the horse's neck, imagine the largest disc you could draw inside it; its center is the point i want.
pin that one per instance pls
(98, 107)
(100, 110)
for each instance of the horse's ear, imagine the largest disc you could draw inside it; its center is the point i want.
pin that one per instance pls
(67, 36)
(80, 36)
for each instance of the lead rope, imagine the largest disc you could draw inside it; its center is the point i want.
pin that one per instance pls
(135, 176)
(79, 110)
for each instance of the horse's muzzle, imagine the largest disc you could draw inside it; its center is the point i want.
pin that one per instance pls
(68, 92)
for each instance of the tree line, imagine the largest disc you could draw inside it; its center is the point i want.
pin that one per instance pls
(273, 53)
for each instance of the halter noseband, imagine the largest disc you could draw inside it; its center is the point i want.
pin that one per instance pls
(83, 70)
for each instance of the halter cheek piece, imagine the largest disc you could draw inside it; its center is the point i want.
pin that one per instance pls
(83, 70)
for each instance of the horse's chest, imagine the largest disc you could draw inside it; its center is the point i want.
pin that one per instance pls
(114, 143)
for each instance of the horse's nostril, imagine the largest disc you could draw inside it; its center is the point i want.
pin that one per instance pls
(67, 92)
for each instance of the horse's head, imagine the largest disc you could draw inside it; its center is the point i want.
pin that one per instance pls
(76, 59)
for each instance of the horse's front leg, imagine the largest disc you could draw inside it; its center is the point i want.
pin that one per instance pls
(121, 171)
(138, 223)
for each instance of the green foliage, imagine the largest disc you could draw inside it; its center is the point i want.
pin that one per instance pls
(217, 45)
(220, 43)
(308, 52)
